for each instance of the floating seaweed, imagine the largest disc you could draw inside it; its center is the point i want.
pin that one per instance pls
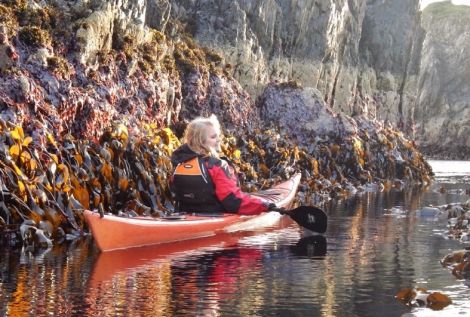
(457, 216)
(459, 262)
(421, 297)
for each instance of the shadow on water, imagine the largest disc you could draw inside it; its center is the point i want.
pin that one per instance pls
(311, 246)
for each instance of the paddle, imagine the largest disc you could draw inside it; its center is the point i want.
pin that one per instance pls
(311, 218)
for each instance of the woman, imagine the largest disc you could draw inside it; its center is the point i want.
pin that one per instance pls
(204, 182)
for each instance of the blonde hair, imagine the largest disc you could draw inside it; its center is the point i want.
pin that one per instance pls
(195, 134)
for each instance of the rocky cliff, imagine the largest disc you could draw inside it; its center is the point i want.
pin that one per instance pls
(380, 58)
(443, 104)
(362, 56)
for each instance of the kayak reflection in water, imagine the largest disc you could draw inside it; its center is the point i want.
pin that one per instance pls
(214, 278)
(205, 182)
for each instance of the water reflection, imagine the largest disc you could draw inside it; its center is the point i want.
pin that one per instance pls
(178, 278)
(47, 281)
(375, 246)
(310, 246)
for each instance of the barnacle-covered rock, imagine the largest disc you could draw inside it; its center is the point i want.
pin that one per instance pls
(8, 54)
(346, 151)
(459, 262)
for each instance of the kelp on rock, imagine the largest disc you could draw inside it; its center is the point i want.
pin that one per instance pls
(98, 134)
(48, 183)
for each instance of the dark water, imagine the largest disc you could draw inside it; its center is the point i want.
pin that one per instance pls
(375, 246)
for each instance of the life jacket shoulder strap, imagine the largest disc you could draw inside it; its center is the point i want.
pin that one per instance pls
(191, 167)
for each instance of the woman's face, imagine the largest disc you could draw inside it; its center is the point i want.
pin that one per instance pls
(212, 139)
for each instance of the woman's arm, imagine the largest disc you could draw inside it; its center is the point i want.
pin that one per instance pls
(230, 195)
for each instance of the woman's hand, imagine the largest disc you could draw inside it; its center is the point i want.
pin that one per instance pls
(274, 207)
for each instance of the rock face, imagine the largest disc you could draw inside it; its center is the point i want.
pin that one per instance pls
(303, 114)
(375, 58)
(443, 106)
(362, 56)
(106, 24)
(378, 58)
(364, 148)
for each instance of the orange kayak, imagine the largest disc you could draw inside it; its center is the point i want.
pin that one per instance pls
(113, 232)
(113, 263)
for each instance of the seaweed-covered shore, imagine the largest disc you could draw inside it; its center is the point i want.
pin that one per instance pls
(96, 132)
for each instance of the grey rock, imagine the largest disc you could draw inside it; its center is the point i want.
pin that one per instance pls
(442, 112)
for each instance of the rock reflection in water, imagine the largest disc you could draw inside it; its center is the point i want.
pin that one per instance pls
(48, 281)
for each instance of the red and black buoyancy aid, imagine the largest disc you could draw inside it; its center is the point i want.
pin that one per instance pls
(193, 187)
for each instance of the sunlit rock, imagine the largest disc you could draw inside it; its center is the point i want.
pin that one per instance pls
(429, 212)
(465, 237)
(421, 297)
(8, 54)
(459, 263)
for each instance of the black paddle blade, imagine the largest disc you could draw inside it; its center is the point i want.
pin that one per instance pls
(311, 218)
